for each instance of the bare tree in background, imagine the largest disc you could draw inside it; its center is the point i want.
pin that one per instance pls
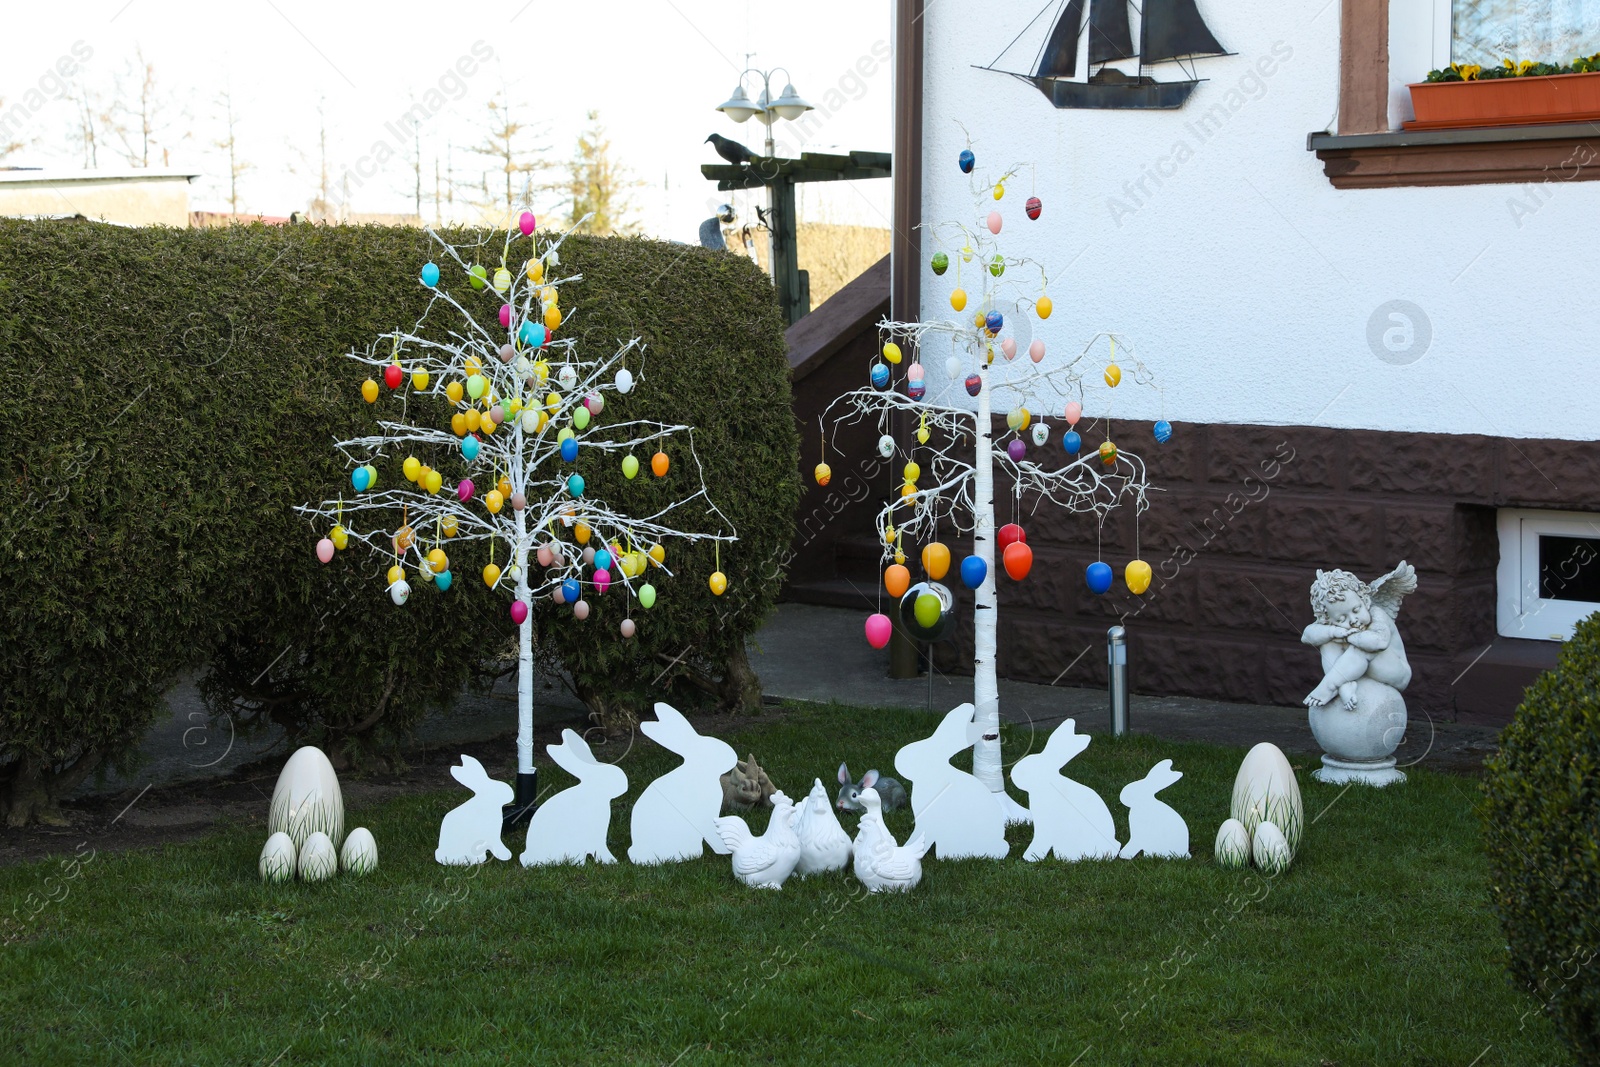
(7, 147)
(599, 185)
(140, 114)
(319, 206)
(93, 117)
(514, 161)
(230, 144)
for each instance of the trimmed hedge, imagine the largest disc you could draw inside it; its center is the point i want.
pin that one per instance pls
(168, 396)
(1541, 817)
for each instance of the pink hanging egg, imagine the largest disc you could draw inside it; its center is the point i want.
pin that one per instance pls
(519, 612)
(628, 629)
(1036, 350)
(1074, 412)
(580, 610)
(879, 628)
(498, 414)
(556, 558)
(1016, 450)
(588, 554)
(557, 595)
(1009, 347)
(505, 314)
(325, 550)
(546, 557)
(464, 490)
(507, 353)
(994, 222)
(602, 582)
(526, 223)
(518, 501)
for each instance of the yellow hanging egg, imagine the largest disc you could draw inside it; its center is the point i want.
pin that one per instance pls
(536, 271)
(494, 501)
(448, 525)
(581, 531)
(718, 583)
(999, 190)
(922, 435)
(1027, 418)
(1108, 453)
(473, 418)
(454, 391)
(434, 481)
(491, 575)
(514, 407)
(912, 472)
(438, 561)
(485, 425)
(552, 317)
(458, 424)
(958, 299)
(823, 473)
(369, 391)
(907, 491)
(1044, 306)
(552, 403)
(658, 555)
(340, 537)
(888, 535)
(891, 352)
(504, 485)
(549, 296)
(396, 573)
(936, 560)
(419, 379)
(966, 253)
(1137, 575)
(411, 467)
(472, 366)
(542, 421)
(541, 370)
(1113, 375)
(502, 280)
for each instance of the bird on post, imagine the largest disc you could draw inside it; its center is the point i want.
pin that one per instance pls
(732, 151)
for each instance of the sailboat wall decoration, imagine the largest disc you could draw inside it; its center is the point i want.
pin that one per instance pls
(1169, 31)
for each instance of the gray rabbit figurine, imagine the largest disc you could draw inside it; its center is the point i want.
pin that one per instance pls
(890, 792)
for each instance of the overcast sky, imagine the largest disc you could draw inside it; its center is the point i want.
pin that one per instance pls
(654, 69)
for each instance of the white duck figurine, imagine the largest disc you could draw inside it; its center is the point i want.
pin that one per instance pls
(763, 862)
(824, 846)
(883, 864)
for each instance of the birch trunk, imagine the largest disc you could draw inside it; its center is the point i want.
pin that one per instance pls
(524, 655)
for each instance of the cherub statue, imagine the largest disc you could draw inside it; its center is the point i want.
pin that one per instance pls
(1355, 632)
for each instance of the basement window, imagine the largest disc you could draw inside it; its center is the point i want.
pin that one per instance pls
(1549, 575)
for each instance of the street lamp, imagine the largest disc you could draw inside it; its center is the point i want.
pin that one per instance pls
(766, 109)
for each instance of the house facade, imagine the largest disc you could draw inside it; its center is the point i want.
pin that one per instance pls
(1373, 343)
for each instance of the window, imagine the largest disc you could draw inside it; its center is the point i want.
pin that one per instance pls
(1549, 576)
(1486, 32)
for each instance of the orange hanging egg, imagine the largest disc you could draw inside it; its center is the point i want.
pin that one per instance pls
(438, 561)
(659, 464)
(582, 532)
(403, 538)
(936, 560)
(896, 580)
(1018, 559)
(823, 473)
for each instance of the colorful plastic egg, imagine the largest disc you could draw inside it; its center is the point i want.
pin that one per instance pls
(886, 446)
(449, 525)
(952, 367)
(973, 571)
(879, 630)
(411, 468)
(575, 485)
(442, 580)
(476, 277)
(941, 263)
(974, 384)
(624, 381)
(891, 352)
(1008, 348)
(1163, 432)
(1041, 433)
(916, 390)
(647, 596)
(432, 480)
(995, 222)
(580, 418)
(569, 449)
(453, 390)
(325, 549)
(658, 555)
(915, 373)
(419, 379)
(1036, 350)
(580, 610)
(360, 479)
(519, 612)
(1099, 577)
(505, 313)
(966, 160)
(1044, 306)
(571, 590)
(477, 385)
(1108, 453)
(659, 464)
(1016, 450)
(880, 376)
(1018, 560)
(994, 321)
(1033, 207)
(582, 533)
(630, 467)
(718, 583)
(518, 502)
(470, 448)
(532, 334)
(1137, 576)
(602, 580)
(958, 299)
(896, 580)
(526, 223)
(999, 190)
(823, 473)
(926, 611)
(997, 265)
(602, 559)
(430, 274)
(464, 490)
(1113, 375)
(340, 537)
(369, 391)
(393, 376)
(1073, 412)
(494, 500)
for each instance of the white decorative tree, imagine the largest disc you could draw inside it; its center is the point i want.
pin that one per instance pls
(525, 405)
(990, 368)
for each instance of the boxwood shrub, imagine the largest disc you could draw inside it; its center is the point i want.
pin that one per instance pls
(168, 396)
(1542, 824)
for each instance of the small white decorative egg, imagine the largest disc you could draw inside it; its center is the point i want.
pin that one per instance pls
(318, 860)
(886, 446)
(1232, 851)
(360, 852)
(568, 377)
(624, 380)
(1271, 850)
(277, 859)
(400, 592)
(1041, 433)
(952, 367)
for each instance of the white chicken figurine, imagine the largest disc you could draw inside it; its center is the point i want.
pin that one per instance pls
(763, 862)
(824, 846)
(883, 864)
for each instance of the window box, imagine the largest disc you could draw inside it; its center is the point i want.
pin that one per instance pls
(1527, 101)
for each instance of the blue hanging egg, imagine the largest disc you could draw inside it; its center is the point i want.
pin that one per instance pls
(360, 478)
(994, 321)
(575, 485)
(973, 571)
(532, 334)
(1098, 576)
(442, 580)
(880, 376)
(967, 159)
(470, 447)
(430, 274)
(916, 389)
(602, 560)
(571, 590)
(1071, 442)
(974, 385)
(569, 449)
(1163, 432)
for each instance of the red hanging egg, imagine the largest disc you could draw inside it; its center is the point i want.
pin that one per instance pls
(393, 376)
(1011, 534)
(1034, 207)
(1018, 559)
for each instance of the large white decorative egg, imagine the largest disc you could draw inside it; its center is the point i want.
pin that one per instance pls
(360, 852)
(1270, 851)
(1232, 851)
(1265, 790)
(278, 859)
(307, 798)
(318, 860)
(624, 380)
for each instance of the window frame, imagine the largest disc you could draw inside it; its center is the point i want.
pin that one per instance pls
(1520, 610)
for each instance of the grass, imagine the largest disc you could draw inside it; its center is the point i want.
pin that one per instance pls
(1375, 947)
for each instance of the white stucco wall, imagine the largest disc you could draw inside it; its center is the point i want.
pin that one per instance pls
(1247, 282)
(152, 198)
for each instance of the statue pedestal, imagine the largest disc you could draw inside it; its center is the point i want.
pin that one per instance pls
(1360, 744)
(1376, 773)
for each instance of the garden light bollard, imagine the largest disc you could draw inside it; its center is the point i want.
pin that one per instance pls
(1117, 679)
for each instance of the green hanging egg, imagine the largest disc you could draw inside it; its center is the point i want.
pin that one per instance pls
(630, 467)
(475, 386)
(580, 417)
(647, 596)
(941, 263)
(997, 266)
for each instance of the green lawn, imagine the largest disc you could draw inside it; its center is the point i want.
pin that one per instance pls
(1376, 947)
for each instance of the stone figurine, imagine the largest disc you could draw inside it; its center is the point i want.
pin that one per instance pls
(1357, 713)
(746, 786)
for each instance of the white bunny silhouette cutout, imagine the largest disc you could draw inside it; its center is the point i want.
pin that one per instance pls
(1154, 828)
(572, 825)
(1069, 818)
(470, 832)
(956, 814)
(678, 811)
